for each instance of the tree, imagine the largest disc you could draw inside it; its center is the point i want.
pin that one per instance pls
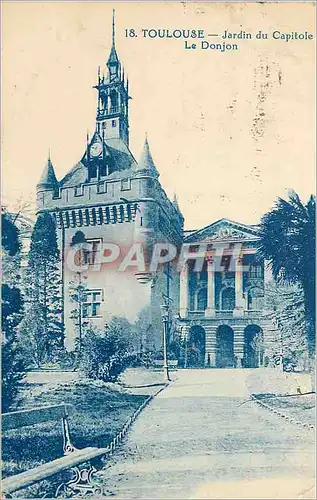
(143, 340)
(287, 241)
(42, 325)
(13, 363)
(77, 293)
(106, 354)
(286, 310)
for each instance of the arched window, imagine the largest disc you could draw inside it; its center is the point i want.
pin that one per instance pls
(255, 298)
(228, 299)
(202, 299)
(114, 101)
(92, 172)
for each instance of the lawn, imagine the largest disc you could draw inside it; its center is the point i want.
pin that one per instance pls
(302, 407)
(100, 411)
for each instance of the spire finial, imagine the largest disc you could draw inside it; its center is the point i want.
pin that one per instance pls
(49, 154)
(175, 201)
(113, 27)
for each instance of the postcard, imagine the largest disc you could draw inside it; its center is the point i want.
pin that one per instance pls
(158, 249)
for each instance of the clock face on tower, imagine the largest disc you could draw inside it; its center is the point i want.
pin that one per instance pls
(95, 149)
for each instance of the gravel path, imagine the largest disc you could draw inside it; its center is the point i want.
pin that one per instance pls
(196, 440)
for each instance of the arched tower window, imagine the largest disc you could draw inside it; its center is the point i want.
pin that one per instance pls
(92, 172)
(113, 101)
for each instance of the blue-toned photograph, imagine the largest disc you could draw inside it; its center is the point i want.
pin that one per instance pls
(158, 250)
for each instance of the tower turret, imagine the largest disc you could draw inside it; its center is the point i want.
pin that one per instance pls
(113, 98)
(146, 162)
(48, 179)
(113, 63)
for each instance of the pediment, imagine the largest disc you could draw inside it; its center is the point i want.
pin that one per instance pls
(224, 229)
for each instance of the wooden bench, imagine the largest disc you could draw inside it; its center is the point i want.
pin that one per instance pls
(71, 459)
(172, 364)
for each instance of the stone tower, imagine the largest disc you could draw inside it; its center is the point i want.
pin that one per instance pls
(110, 198)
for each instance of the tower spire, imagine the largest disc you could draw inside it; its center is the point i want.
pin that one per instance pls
(113, 62)
(113, 27)
(48, 178)
(113, 97)
(146, 161)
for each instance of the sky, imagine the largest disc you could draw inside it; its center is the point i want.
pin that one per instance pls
(229, 131)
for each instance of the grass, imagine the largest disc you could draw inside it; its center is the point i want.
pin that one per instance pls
(300, 407)
(100, 412)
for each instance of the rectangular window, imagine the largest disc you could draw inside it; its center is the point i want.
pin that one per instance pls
(90, 255)
(125, 184)
(114, 123)
(92, 304)
(256, 271)
(104, 125)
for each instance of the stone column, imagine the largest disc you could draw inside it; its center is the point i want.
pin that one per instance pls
(238, 280)
(268, 276)
(183, 295)
(210, 311)
(238, 345)
(211, 344)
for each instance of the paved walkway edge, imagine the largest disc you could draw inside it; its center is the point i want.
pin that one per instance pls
(122, 433)
(279, 414)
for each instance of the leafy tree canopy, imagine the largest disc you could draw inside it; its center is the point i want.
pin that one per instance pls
(10, 234)
(43, 241)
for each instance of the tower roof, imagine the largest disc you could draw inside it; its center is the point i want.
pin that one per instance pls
(48, 177)
(146, 161)
(113, 56)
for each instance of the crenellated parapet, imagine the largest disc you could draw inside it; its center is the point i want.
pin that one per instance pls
(95, 216)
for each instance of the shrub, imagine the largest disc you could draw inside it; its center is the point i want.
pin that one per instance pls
(13, 362)
(104, 355)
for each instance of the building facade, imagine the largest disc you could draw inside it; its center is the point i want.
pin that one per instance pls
(222, 304)
(110, 198)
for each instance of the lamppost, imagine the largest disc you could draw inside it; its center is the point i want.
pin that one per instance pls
(165, 316)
